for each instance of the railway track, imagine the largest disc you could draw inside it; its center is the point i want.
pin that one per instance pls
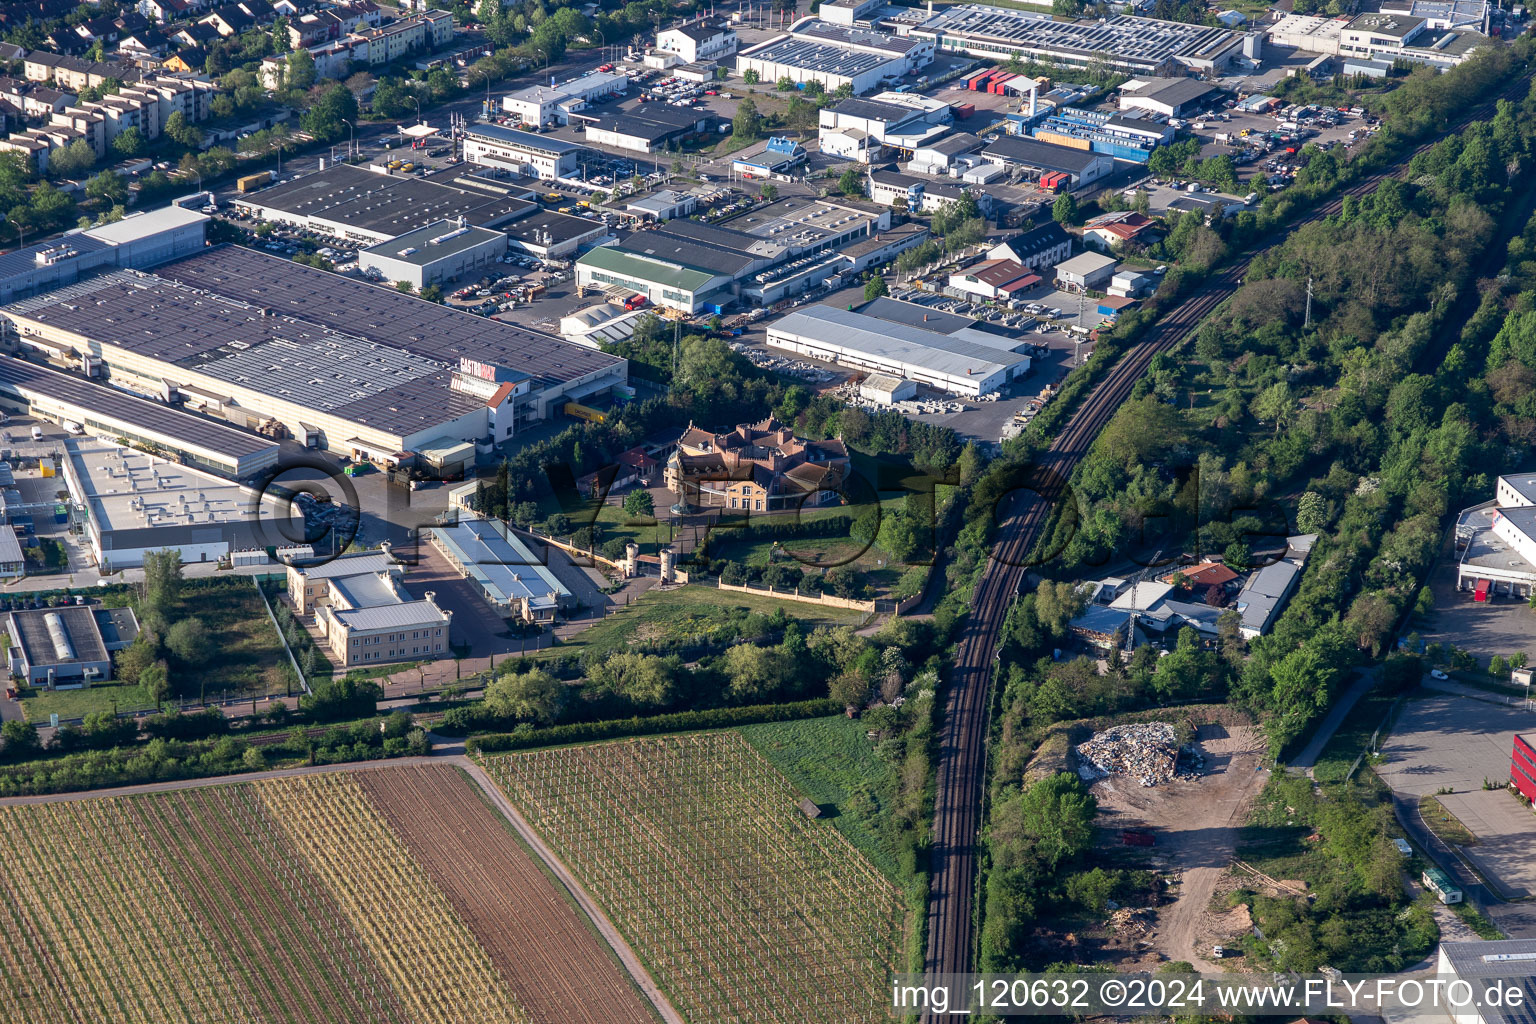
(963, 739)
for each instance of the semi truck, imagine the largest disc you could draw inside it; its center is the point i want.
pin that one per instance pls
(252, 182)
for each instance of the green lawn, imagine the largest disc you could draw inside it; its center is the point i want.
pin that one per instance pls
(831, 761)
(69, 704)
(688, 611)
(247, 642)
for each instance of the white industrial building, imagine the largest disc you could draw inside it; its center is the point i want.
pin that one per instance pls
(860, 128)
(1308, 32)
(835, 55)
(487, 553)
(554, 104)
(884, 389)
(698, 40)
(1498, 541)
(269, 345)
(136, 503)
(67, 647)
(1171, 97)
(1086, 271)
(527, 153)
(967, 362)
(435, 254)
(1496, 974)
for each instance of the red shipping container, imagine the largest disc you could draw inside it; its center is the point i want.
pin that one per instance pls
(965, 110)
(1003, 77)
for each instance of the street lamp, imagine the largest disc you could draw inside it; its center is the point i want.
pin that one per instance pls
(351, 139)
(418, 108)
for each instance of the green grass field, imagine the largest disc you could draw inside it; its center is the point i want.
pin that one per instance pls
(831, 761)
(69, 704)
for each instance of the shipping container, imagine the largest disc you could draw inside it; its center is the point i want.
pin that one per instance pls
(974, 79)
(964, 111)
(252, 182)
(1001, 79)
(585, 412)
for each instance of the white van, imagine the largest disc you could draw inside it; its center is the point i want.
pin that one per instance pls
(37, 433)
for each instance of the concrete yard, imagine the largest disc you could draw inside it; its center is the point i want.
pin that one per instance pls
(1483, 628)
(1446, 741)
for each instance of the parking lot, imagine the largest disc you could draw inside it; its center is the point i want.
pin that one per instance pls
(1455, 743)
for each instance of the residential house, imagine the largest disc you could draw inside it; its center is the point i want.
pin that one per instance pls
(1038, 249)
(756, 467)
(1123, 227)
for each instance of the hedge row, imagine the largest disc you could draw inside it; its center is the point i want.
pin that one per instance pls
(683, 721)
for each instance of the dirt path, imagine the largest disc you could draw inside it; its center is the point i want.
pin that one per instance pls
(1196, 822)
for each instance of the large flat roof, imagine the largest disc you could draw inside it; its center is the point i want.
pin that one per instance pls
(1021, 149)
(502, 565)
(896, 342)
(143, 415)
(139, 225)
(651, 122)
(81, 635)
(527, 140)
(606, 257)
(380, 314)
(1123, 38)
(559, 227)
(382, 204)
(128, 489)
(818, 57)
(432, 243)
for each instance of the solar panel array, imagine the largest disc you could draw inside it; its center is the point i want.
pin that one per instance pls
(111, 403)
(822, 58)
(365, 353)
(1123, 37)
(382, 204)
(382, 315)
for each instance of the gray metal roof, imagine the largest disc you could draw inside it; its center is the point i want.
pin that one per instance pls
(349, 565)
(29, 631)
(1017, 149)
(433, 242)
(527, 140)
(22, 261)
(406, 615)
(895, 342)
(1174, 91)
(105, 403)
(380, 314)
(915, 315)
(875, 110)
(650, 122)
(382, 204)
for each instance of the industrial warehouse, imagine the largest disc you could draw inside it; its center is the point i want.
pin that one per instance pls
(371, 206)
(270, 345)
(136, 502)
(967, 362)
(521, 152)
(774, 250)
(835, 55)
(1125, 43)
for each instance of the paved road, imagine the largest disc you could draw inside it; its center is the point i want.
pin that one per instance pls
(1307, 758)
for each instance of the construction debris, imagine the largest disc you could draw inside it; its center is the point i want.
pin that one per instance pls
(1149, 753)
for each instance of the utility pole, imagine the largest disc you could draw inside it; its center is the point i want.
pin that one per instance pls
(1307, 323)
